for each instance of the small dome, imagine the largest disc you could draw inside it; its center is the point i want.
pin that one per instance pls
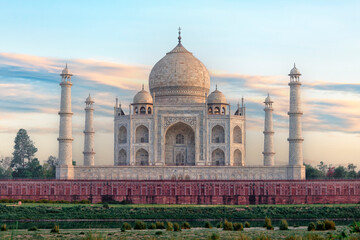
(89, 99)
(294, 71)
(143, 97)
(268, 99)
(216, 97)
(65, 71)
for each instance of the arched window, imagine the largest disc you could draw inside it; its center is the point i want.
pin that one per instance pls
(218, 134)
(223, 111)
(218, 157)
(217, 110)
(136, 110)
(180, 139)
(149, 110)
(210, 111)
(142, 134)
(180, 159)
(122, 137)
(122, 158)
(238, 158)
(237, 136)
(142, 110)
(142, 157)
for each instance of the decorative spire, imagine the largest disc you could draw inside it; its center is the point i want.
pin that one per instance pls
(215, 86)
(142, 87)
(179, 35)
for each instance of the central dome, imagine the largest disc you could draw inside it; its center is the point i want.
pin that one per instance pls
(179, 78)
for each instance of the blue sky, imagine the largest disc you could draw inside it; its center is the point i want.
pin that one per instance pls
(248, 46)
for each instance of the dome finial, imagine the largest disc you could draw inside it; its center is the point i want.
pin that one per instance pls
(142, 87)
(215, 86)
(179, 35)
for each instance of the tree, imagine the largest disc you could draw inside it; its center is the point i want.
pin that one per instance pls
(24, 150)
(49, 168)
(313, 173)
(351, 174)
(5, 169)
(32, 169)
(340, 172)
(322, 167)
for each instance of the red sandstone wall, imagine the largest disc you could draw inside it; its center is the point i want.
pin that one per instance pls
(186, 191)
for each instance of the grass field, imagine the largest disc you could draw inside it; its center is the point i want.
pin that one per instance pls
(195, 233)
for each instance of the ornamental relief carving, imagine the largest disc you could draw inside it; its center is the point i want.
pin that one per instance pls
(188, 120)
(213, 124)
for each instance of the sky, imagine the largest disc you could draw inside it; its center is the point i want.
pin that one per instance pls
(248, 47)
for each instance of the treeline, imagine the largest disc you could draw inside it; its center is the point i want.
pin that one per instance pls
(23, 163)
(323, 171)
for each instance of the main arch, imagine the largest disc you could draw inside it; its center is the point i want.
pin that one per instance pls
(180, 145)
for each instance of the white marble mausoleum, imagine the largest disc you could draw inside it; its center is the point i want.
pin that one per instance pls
(180, 130)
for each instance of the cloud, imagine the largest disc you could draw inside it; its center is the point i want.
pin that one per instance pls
(29, 84)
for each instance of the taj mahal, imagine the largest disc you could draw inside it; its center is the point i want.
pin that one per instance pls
(179, 130)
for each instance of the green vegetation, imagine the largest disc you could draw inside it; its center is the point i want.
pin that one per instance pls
(152, 226)
(169, 227)
(3, 227)
(343, 232)
(268, 224)
(139, 225)
(247, 224)
(160, 225)
(284, 225)
(126, 226)
(186, 225)
(238, 227)
(208, 224)
(180, 212)
(311, 227)
(55, 229)
(227, 226)
(177, 227)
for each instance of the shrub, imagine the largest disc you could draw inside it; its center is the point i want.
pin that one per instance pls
(311, 226)
(126, 226)
(106, 206)
(140, 225)
(355, 227)
(3, 227)
(55, 229)
(186, 225)
(268, 224)
(158, 233)
(219, 225)
(329, 225)
(247, 225)
(177, 227)
(227, 226)
(320, 226)
(160, 225)
(208, 225)
(238, 227)
(214, 236)
(33, 229)
(152, 226)
(169, 227)
(263, 237)
(284, 225)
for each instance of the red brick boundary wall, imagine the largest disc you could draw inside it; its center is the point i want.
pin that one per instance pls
(186, 191)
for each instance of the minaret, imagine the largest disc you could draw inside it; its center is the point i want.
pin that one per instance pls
(65, 130)
(295, 136)
(268, 133)
(89, 154)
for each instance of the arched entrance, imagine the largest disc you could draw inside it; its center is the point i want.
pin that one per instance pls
(180, 145)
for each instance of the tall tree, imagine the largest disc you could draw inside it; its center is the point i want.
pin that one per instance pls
(24, 150)
(351, 174)
(340, 172)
